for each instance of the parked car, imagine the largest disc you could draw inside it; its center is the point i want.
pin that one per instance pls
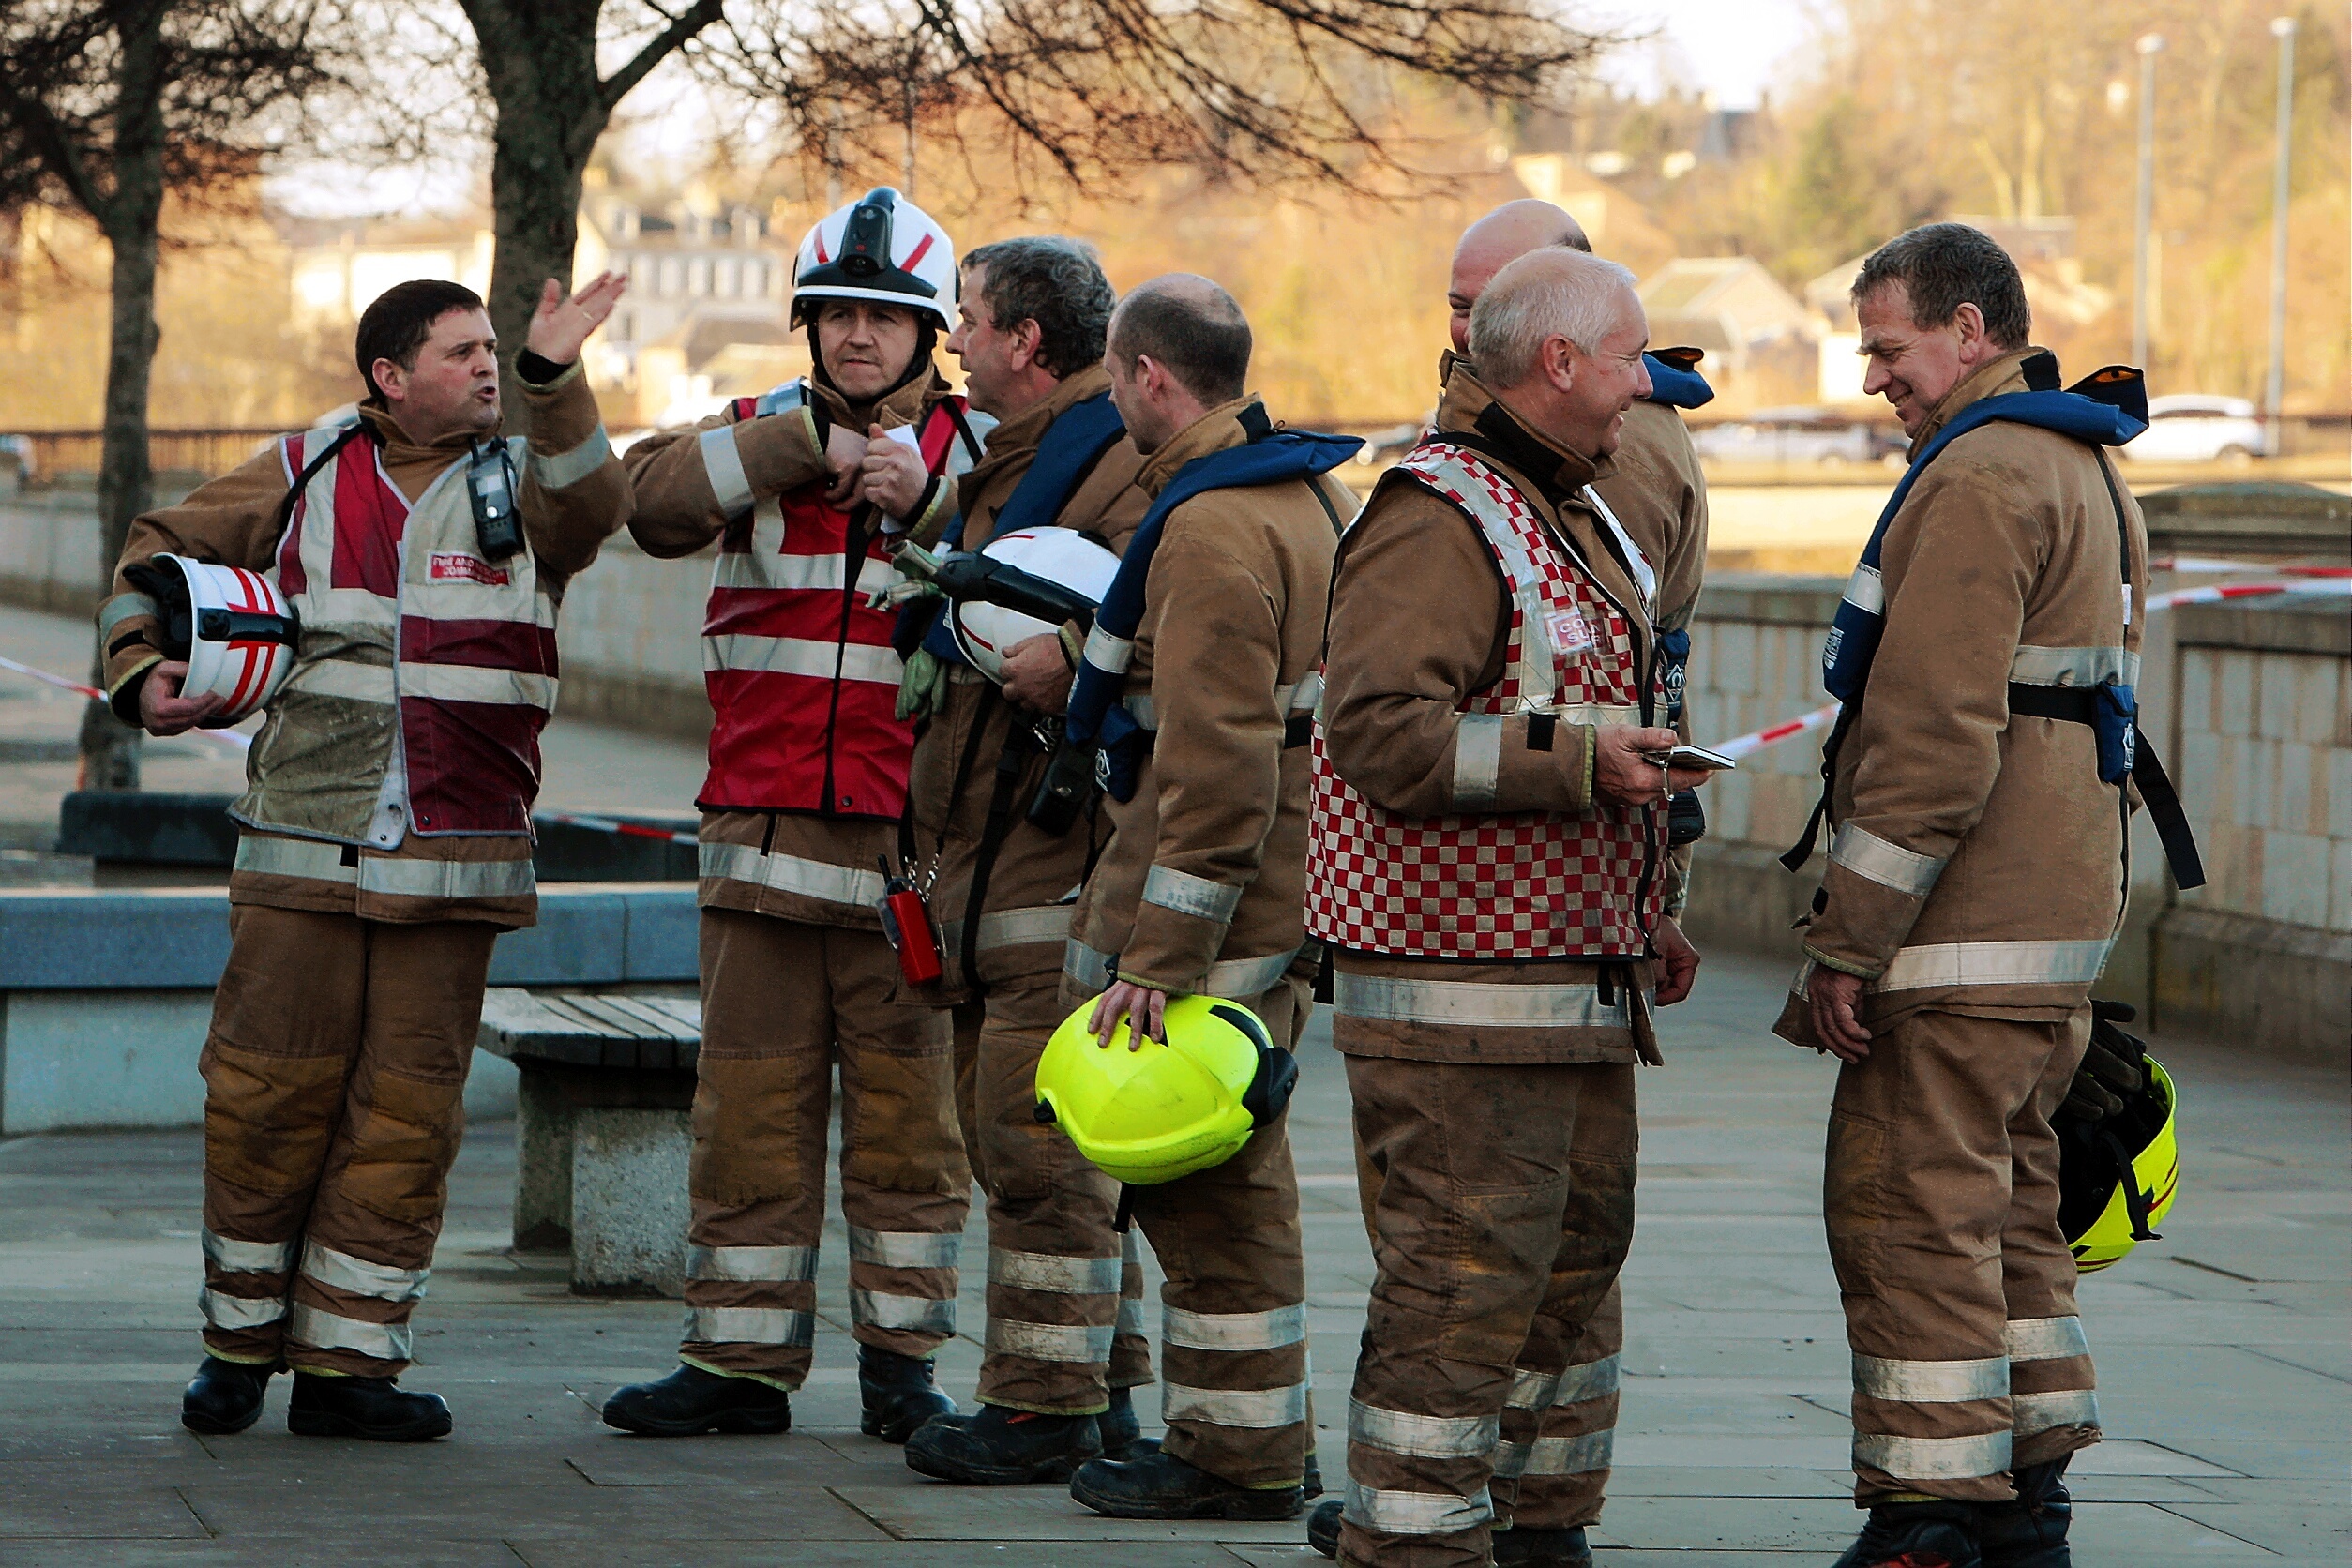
(2197, 427)
(1795, 435)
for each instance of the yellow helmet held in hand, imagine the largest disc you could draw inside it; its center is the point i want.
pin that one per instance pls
(2134, 1208)
(1153, 1114)
(2119, 1145)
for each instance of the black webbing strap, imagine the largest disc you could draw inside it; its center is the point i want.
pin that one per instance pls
(1795, 857)
(1011, 762)
(2079, 705)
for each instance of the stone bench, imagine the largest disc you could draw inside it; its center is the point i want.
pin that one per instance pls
(605, 1083)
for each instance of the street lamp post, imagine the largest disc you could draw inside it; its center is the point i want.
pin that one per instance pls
(2274, 390)
(2150, 46)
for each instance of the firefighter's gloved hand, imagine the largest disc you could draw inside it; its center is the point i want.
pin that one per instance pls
(923, 687)
(2110, 1070)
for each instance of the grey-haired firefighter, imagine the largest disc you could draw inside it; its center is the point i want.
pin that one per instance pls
(385, 833)
(1985, 655)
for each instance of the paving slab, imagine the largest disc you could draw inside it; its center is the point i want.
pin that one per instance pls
(942, 1513)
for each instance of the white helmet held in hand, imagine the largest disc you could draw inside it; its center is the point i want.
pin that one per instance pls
(880, 248)
(987, 632)
(240, 635)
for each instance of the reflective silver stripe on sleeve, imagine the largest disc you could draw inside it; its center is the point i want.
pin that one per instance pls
(1253, 1408)
(722, 464)
(1934, 1459)
(810, 879)
(1023, 927)
(1589, 1380)
(569, 468)
(1239, 979)
(329, 1331)
(247, 1257)
(1416, 1513)
(1425, 1437)
(906, 1249)
(1931, 1383)
(749, 1325)
(1049, 1271)
(1469, 1005)
(1088, 968)
(880, 1309)
(238, 1312)
(1131, 1318)
(1477, 761)
(2045, 1339)
(124, 607)
(1186, 893)
(805, 657)
(1577, 1456)
(1109, 654)
(773, 1265)
(2033, 1413)
(1866, 590)
(1994, 963)
(447, 879)
(1233, 1330)
(294, 857)
(1871, 857)
(2073, 667)
(360, 1277)
(1064, 1342)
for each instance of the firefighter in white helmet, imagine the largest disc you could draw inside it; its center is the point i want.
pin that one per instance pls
(386, 832)
(809, 492)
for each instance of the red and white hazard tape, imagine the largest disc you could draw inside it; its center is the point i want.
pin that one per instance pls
(608, 825)
(229, 739)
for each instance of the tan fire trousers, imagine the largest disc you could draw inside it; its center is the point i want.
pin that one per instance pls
(1485, 1391)
(334, 1102)
(1066, 1297)
(784, 1004)
(1941, 1197)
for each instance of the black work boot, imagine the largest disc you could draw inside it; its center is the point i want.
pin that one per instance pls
(1001, 1447)
(1322, 1528)
(691, 1401)
(1165, 1487)
(898, 1393)
(2030, 1532)
(1122, 1431)
(1311, 1484)
(224, 1397)
(1521, 1546)
(1916, 1535)
(375, 1409)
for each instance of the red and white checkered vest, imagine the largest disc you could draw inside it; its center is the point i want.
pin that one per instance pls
(802, 676)
(407, 632)
(1480, 885)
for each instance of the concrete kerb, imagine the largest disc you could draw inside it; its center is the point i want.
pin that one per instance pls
(105, 993)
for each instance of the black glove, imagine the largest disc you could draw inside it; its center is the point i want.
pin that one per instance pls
(2113, 1067)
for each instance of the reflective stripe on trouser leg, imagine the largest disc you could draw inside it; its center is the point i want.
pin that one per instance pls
(1558, 1430)
(1940, 1200)
(1235, 1355)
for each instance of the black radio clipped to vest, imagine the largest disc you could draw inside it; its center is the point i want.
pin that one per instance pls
(489, 484)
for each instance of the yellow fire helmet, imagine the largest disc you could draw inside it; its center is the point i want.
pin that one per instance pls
(1153, 1114)
(2104, 1217)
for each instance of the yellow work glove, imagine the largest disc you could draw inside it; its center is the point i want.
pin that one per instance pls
(924, 685)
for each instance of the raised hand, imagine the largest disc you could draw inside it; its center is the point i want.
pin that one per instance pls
(560, 325)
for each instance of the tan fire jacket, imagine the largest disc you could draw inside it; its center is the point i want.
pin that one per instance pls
(1977, 861)
(1202, 887)
(234, 521)
(1420, 619)
(1025, 915)
(680, 508)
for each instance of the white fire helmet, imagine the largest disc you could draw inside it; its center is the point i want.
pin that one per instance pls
(880, 248)
(240, 636)
(985, 632)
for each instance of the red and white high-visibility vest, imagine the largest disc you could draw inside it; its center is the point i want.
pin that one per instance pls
(1478, 885)
(425, 672)
(802, 676)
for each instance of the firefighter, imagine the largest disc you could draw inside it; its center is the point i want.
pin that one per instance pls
(384, 834)
(1488, 862)
(1193, 688)
(808, 490)
(1064, 1338)
(1985, 654)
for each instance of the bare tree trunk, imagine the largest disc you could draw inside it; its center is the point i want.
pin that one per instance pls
(110, 750)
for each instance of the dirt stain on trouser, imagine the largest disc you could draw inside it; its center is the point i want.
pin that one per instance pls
(334, 1104)
(1941, 1197)
(1065, 1308)
(1486, 1393)
(784, 1004)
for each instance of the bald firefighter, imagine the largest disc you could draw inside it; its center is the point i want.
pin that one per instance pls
(385, 833)
(1488, 862)
(1065, 1340)
(1195, 684)
(1986, 653)
(808, 491)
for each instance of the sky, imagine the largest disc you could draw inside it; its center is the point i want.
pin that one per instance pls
(1732, 47)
